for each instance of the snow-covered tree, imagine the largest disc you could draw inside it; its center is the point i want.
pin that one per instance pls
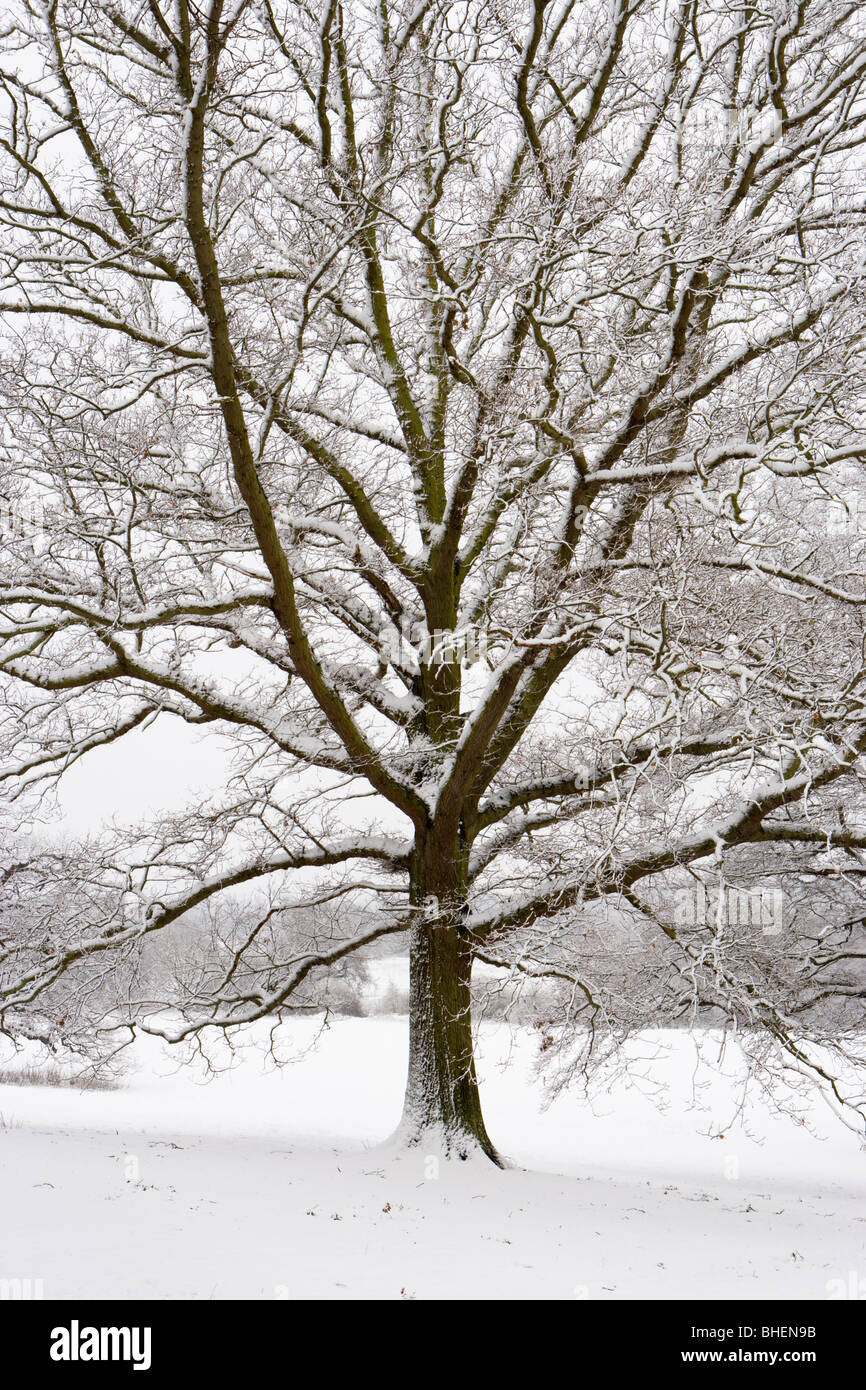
(457, 405)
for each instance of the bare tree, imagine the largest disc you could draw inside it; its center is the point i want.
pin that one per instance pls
(459, 406)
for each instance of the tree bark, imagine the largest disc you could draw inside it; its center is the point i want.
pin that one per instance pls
(442, 1102)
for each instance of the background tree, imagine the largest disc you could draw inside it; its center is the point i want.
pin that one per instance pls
(344, 344)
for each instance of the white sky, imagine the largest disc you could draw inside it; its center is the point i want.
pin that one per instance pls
(162, 768)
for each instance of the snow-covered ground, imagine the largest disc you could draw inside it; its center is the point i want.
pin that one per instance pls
(266, 1183)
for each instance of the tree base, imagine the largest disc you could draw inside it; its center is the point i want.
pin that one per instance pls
(443, 1145)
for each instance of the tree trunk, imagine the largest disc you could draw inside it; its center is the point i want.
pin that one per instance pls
(442, 1104)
